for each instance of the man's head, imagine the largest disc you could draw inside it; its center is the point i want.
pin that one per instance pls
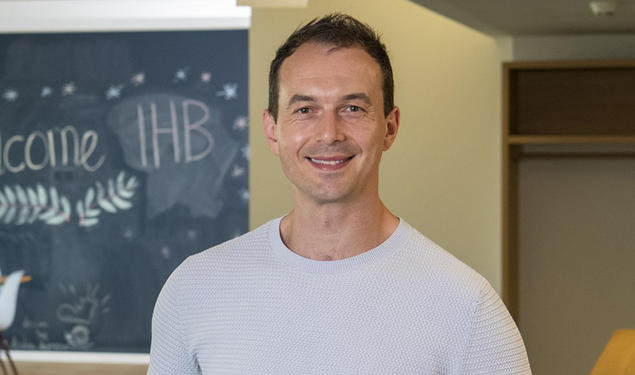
(336, 30)
(330, 121)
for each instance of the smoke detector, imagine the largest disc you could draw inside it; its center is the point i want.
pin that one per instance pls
(603, 7)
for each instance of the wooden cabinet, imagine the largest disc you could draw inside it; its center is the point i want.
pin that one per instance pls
(574, 109)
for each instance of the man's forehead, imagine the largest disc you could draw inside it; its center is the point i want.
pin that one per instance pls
(308, 51)
(327, 60)
(361, 96)
(314, 73)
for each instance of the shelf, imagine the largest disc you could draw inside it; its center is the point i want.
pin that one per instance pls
(559, 110)
(570, 64)
(569, 139)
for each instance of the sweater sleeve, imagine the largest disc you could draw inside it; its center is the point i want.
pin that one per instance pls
(495, 345)
(168, 352)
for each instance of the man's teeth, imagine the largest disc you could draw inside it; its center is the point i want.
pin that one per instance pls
(328, 162)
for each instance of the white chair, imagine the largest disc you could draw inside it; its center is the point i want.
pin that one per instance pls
(8, 302)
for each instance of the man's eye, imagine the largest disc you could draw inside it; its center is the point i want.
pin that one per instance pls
(354, 108)
(304, 110)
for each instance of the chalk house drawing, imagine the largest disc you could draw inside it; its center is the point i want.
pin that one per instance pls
(25, 205)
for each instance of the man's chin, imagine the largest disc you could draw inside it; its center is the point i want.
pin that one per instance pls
(329, 196)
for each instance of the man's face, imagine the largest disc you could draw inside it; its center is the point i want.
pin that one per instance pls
(331, 128)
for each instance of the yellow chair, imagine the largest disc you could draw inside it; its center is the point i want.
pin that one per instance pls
(618, 357)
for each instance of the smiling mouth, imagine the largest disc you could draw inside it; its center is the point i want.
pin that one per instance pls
(330, 162)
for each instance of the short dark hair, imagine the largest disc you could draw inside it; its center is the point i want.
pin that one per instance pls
(339, 30)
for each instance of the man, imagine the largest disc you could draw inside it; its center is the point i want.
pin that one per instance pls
(339, 285)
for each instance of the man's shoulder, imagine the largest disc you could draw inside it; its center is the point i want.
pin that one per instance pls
(237, 252)
(441, 268)
(238, 246)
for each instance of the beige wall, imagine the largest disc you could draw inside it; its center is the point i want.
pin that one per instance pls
(443, 173)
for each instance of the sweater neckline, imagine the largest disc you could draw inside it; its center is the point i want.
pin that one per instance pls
(387, 248)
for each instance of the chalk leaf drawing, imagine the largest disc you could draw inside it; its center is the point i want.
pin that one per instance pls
(19, 205)
(112, 198)
(24, 205)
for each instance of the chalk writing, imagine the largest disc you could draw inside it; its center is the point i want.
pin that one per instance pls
(18, 153)
(189, 126)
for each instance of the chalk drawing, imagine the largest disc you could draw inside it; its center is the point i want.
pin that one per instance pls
(82, 313)
(117, 197)
(19, 205)
(25, 205)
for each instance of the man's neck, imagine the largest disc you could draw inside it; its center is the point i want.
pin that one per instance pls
(336, 231)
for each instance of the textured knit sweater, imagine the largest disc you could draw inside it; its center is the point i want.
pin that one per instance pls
(252, 306)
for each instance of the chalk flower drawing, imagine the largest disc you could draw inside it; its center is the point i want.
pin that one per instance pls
(116, 197)
(20, 205)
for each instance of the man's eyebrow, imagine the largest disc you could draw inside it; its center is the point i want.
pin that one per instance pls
(300, 98)
(358, 96)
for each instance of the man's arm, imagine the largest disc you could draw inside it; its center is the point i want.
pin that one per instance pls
(168, 352)
(495, 345)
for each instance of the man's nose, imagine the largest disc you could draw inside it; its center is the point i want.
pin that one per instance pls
(331, 129)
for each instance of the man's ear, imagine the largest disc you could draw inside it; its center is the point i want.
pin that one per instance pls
(392, 127)
(269, 126)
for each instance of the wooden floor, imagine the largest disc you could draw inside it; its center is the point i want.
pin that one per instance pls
(45, 368)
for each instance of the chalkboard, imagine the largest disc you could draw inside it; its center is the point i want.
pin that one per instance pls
(120, 155)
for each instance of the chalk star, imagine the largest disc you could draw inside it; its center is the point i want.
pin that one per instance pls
(10, 95)
(128, 233)
(180, 75)
(245, 151)
(241, 123)
(69, 88)
(206, 77)
(229, 91)
(237, 171)
(165, 252)
(138, 79)
(46, 92)
(113, 92)
(191, 234)
(244, 194)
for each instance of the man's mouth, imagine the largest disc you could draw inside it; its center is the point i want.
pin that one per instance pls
(329, 161)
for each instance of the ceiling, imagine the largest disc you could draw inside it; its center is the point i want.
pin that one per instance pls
(535, 17)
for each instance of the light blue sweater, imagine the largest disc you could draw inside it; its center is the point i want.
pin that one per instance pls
(252, 306)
